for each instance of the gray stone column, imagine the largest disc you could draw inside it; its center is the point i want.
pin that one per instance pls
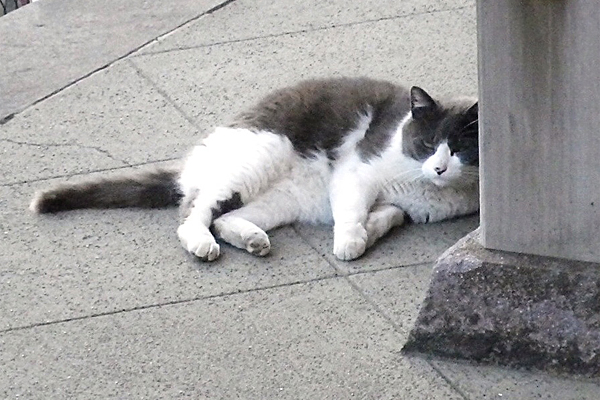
(525, 289)
(539, 79)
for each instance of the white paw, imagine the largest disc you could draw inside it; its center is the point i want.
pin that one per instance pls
(350, 243)
(198, 241)
(377, 223)
(257, 243)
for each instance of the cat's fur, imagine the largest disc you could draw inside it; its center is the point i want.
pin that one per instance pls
(362, 154)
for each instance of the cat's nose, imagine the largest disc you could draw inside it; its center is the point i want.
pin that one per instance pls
(440, 170)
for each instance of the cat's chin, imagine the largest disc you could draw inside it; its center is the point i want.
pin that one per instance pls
(440, 182)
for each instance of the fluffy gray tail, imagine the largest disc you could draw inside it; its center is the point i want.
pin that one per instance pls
(145, 189)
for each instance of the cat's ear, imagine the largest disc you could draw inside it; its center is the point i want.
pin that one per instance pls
(473, 110)
(421, 103)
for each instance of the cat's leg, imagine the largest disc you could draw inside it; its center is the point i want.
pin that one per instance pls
(246, 227)
(194, 232)
(235, 229)
(351, 200)
(300, 196)
(229, 168)
(380, 220)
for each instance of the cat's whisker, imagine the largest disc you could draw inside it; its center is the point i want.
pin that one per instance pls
(392, 169)
(405, 178)
(471, 123)
(402, 176)
(410, 171)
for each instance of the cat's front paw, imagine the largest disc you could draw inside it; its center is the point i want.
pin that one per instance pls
(198, 241)
(350, 243)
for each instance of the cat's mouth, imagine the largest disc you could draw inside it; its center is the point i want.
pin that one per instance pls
(439, 176)
(441, 182)
(457, 179)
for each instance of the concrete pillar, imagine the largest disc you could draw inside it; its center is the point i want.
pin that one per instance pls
(524, 290)
(539, 80)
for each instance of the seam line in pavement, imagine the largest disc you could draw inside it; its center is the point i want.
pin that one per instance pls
(299, 31)
(9, 184)
(168, 303)
(341, 272)
(397, 328)
(10, 116)
(335, 274)
(79, 146)
(380, 311)
(164, 94)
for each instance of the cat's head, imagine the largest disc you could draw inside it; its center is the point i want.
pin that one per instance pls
(443, 136)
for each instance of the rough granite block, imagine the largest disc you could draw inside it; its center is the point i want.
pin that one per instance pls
(512, 309)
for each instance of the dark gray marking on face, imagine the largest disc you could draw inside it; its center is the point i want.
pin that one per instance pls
(418, 138)
(452, 122)
(464, 141)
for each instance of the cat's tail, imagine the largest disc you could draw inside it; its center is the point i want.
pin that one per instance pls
(154, 188)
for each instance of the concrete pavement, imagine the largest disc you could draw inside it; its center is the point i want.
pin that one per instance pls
(105, 304)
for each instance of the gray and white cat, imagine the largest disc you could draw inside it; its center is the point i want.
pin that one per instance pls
(362, 154)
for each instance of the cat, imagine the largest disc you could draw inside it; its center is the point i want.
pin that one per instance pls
(364, 155)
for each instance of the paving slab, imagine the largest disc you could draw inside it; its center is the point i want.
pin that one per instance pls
(396, 292)
(111, 119)
(246, 19)
(53, 43)
(490, 382)
(211, 84)
(81, 263)
(307, 341)
(406, 245)
(105, 304)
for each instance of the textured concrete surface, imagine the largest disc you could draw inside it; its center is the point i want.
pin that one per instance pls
(69, 265)
(215, 82)
(105, 304)
(513, 309)
(109, 119)
(257, 19)
(408, 245)
(312, 340)
(52, 43)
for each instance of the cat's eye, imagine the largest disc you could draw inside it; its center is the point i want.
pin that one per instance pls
(428, 145)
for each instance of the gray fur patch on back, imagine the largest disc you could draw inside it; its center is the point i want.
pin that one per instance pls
(316, 114)
(384, 122)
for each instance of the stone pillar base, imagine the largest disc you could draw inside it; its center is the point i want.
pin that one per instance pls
(511, 309)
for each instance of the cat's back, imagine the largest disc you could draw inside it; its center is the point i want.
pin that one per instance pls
(316, 114)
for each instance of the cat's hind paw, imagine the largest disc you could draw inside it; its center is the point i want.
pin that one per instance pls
(258, 243)
(199, 243)
(242, 234)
